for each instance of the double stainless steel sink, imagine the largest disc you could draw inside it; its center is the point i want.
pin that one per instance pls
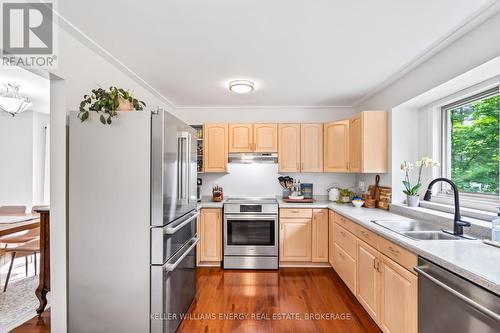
(418, 230)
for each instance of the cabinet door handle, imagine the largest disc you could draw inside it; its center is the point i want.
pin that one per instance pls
(393, 250)
(365, 234)
(298, 166)
(343, 233)
(302, 166)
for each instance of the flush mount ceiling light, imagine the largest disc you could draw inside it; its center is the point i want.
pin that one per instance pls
(11, 102)
(241, 86)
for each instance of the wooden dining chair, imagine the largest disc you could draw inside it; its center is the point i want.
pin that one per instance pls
(12, 210)
(24, 250)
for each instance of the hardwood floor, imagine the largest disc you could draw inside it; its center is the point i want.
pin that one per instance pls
(35, 325)
(257, 296)
(275, 301)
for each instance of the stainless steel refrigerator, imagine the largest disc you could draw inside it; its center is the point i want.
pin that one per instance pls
(132, 223)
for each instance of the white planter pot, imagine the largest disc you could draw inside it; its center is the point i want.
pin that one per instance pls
(412, 200)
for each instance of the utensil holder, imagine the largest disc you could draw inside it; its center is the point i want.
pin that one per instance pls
(286, 193)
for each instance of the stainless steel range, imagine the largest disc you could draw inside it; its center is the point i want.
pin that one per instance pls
(251, 233)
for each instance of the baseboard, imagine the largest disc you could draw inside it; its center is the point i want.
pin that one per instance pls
(209, 264)
(304, 264)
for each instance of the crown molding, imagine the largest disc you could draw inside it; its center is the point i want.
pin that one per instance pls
(467, 25)
(274, 107)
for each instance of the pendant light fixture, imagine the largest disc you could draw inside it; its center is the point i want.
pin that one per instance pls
(11, 102)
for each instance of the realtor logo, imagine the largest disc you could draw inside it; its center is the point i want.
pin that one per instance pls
(28, 34)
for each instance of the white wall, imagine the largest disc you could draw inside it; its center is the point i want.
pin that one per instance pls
(197, 116)
(261, 180)
(409, 132)
(22, 143)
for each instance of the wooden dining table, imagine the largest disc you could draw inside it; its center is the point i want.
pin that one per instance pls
(13, 227)
(41, 219)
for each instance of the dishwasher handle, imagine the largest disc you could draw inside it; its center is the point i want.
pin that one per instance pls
(467, 300)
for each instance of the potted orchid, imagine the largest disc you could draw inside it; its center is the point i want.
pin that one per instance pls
(411, 191)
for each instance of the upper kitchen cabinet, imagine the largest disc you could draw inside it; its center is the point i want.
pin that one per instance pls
(311, 147)
(289, 147)
(240, 138)
(215, 155)
(265, 138)
(336, 143)
(300, 147)
(245, 138)
(368, 142)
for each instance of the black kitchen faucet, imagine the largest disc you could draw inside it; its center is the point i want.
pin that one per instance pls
(458, 224)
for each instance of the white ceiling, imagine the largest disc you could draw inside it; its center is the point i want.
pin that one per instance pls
(299, 53)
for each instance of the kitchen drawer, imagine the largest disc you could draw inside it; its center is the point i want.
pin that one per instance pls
(400, 255)
(298, 213)
(367, 236)
(346, 240)
(345, 266)
(345, 222)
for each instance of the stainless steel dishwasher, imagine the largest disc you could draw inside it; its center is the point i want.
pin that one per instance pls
(450, 303)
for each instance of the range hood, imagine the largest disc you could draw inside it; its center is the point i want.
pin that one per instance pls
(248, 158)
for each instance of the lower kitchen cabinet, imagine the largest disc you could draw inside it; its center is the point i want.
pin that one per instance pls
(331, 238)
(379, 273)
(295, 239)
(368, 279)
(210, 232)
(398, 308)
(320, 235)
(345, 266)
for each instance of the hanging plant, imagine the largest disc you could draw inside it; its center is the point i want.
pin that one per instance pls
(108, 102)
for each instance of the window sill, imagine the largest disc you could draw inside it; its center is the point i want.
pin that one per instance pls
(479, 214)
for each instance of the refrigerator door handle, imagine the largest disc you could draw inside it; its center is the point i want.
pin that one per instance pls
(173, 230)
(169, 267)
(183, 159)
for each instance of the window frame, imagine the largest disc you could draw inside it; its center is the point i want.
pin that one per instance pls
(481, 201)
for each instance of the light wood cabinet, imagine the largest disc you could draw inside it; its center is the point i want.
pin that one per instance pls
(380, 274)
(398, 306)
(215, 154)
(320, 235)
(240, 138)
(355, 134)
(311, 147)
(265, 138)
(336, 146)
(244, 138)
(210, 233)
(368, 142)
(368, 279)
(289, 147)
(331, 238)
(295, 240)
(345, 267)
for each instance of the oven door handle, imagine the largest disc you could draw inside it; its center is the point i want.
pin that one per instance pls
(173, 230)
(251, 217)
(455, 293)
(169, 267)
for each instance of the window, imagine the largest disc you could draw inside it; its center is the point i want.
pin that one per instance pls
(471, 144)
